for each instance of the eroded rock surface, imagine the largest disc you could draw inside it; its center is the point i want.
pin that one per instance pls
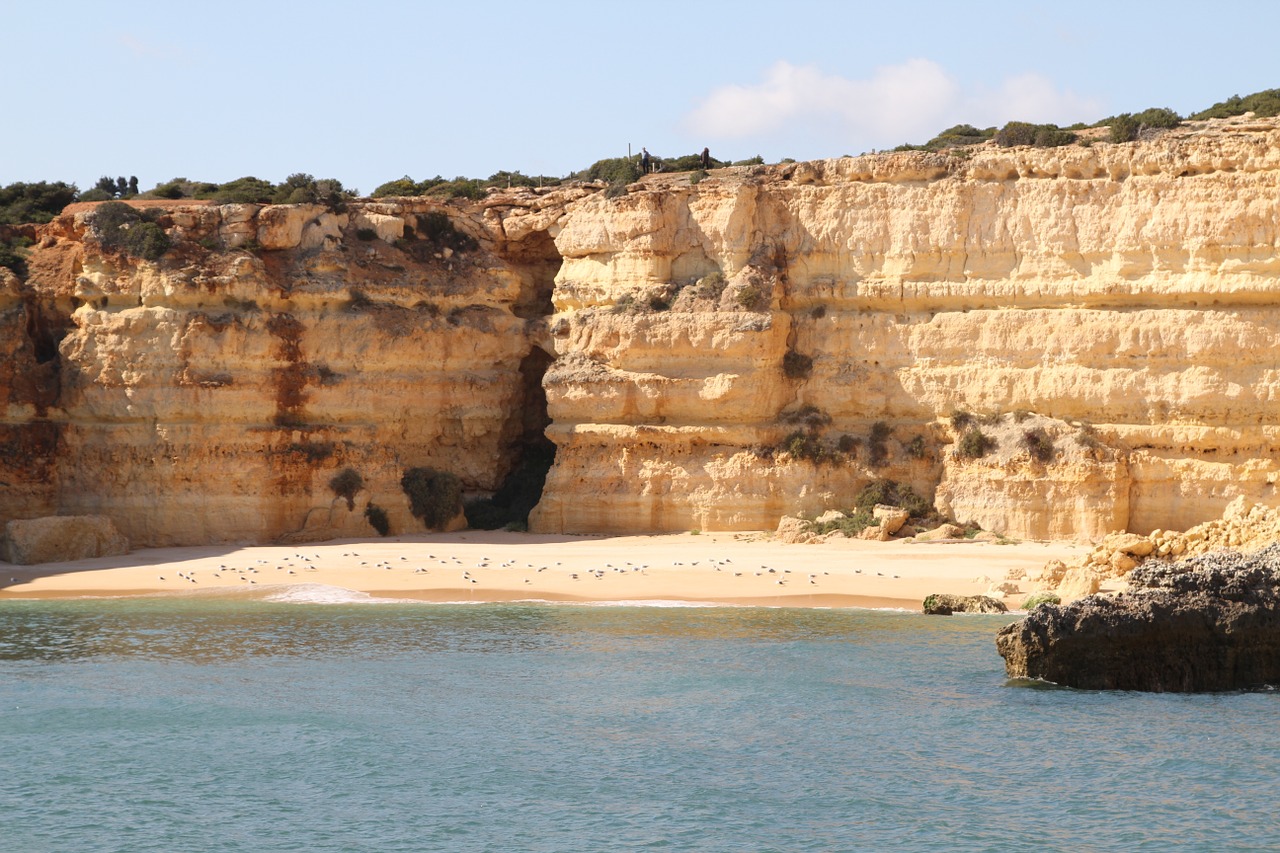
(57, 539)
(945, 604)
(1207, 623)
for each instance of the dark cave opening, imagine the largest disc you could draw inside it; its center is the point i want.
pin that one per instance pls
(530, 452)
(533, 454)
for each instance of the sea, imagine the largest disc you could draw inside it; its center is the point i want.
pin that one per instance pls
(313, 719)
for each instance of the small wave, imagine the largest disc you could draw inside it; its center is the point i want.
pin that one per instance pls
(319, 593)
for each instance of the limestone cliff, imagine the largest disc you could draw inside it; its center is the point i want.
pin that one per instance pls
(1126, 293)
(762, 342)
(212, 395)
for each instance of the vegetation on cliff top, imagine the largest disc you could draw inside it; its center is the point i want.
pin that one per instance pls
(35, 203)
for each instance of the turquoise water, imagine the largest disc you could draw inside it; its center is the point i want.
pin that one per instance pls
(253, 725)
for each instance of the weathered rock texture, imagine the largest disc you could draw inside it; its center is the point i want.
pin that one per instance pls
(716, 356)
(1126, 293)
(945, 604)
(1207, 623)
(60, 538)
(211, 396)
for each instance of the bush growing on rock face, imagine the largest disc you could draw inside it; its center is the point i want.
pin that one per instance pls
(749, 297)
(796, 365)
(915, 448)
(975, 444)
(1038, 444)
(346, 484)
(960, 420)
(435, 497)
(437, 228)
(377, 518)
(878, 452)
(121, 228)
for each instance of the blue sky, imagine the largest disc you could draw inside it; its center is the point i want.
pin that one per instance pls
(367, 92)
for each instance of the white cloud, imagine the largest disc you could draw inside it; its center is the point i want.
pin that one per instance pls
(898, 103)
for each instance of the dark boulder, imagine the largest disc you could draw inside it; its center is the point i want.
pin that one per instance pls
(943, 604)
(1206, 623)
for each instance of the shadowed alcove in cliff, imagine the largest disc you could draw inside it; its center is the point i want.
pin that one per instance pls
(531, 453)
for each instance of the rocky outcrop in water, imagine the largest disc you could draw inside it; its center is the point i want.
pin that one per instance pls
(945, 604)
(1207, 623)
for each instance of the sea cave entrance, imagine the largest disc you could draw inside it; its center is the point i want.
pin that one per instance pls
(530, 453)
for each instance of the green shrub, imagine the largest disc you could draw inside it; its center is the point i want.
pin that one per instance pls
(121, 228)
(710, 286)
(437, 228)
(960, 134)
(346, 484)
(1038, 444)
(1040, 135)
(797, 366)
(850, 525)
(749, 297)
(807, 445)
(1262, 104)
(696, 177)
(1127, 126)
(301, 188)
(377, 518)
(891, 493)
(915, 448)
(435, 497)
(246, 190)
(751, 161)
(960, 420)
(848, 444)
(13, 254)
(877, 451)
(612, 170)
(1035, 599)
(975, 444)
(809, 415)
(37, 203)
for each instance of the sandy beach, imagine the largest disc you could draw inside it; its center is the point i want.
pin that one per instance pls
(481, 566)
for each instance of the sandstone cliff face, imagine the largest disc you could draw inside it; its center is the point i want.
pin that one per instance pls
(211, 396)
(762, 343)
(1130, 288)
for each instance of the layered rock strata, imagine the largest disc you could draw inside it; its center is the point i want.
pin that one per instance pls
(212, 395)
(1207, 623)
(717, 354)
(1125, 293)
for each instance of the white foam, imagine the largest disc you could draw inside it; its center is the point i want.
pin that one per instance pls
(319, 593)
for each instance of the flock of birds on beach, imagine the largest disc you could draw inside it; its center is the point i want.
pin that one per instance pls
(293, 565)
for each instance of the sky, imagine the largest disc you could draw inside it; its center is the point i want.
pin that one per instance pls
(370, 91)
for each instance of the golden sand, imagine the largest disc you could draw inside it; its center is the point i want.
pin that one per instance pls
(475, 565)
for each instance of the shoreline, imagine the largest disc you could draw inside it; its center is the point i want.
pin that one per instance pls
(735, 569)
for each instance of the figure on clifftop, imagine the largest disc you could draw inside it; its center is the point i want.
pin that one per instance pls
(705, 158)
(644, 161)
